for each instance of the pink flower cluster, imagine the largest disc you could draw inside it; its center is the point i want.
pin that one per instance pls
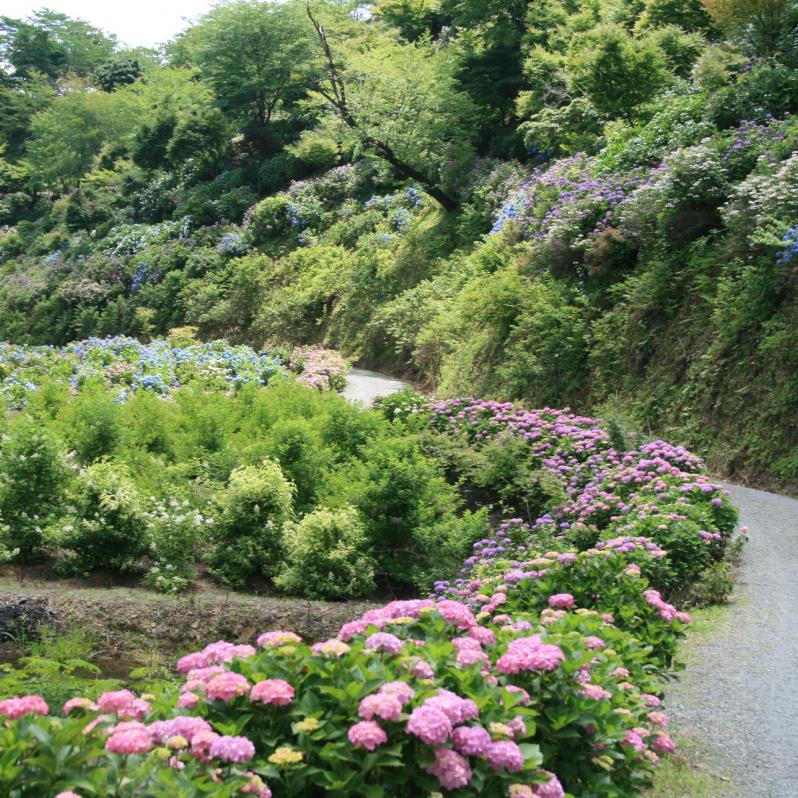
(666, 611)
(217, 653)
(226, 686)
(278, 638)
(276, 692)
(530, 654)
(17, 707)
(124, 704)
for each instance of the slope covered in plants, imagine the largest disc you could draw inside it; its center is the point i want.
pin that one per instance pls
(587, 202)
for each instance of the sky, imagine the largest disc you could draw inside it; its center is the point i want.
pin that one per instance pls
(137, 23)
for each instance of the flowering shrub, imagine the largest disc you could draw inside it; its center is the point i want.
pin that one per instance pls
(536, 672)
(319, 368)
(125, 365)
(326, 556)
(417, 696)
(248, 535)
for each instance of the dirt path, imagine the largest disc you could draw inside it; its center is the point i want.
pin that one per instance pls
(740, 690)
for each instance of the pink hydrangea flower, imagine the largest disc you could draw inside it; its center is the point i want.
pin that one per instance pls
(457, 709)
(422, 669)
(505, 755)
(201, 745)
(255, 786)
(124, 704)
(595, 692)
(561, 601)
(651, 700)
(227, 686)
(129, 741)
(188, 726)
(381, 705)
(79, 703)
(664, 744)
(188, 701)
(17, 707)
(383, 641)
(593, 642)
(519, 691)
(467, 657)
(658, 718)
(402, 691)
(530, 654)
(549, 789)
(430, 725)
(483, 634)
(456, 614)
(621, 672)
(635, 739)
(68, 794)
(205, 674)
(518, 726)
(367, 734)
(471, 740)
(192, 662)
(232, 749)
(278, 638)
(330, 648)
(451, 769)
(276, 692)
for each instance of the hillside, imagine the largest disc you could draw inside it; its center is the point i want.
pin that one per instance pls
(585, 203)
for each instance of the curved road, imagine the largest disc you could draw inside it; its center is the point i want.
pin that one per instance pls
(365, 386)
(740, 690)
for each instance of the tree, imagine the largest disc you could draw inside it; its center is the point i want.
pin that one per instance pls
(119, 71)
(617, 72)
(29, 49)
(769, 26)
(66, 137)
(256, 55)
(20, 100)
(53, 43)
(402, 102)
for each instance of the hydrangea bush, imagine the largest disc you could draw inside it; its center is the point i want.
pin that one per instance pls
(537, 673)
(126, 365)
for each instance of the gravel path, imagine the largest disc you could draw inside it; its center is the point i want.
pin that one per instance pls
(365, 386)
(740, 690)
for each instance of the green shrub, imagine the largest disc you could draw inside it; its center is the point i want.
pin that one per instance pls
(176, 530)
(326, 556)
(297, 446)
(108, 530)
(93, 425)
(269, 219)
(409, 513)
(34, 478)
(253, 510)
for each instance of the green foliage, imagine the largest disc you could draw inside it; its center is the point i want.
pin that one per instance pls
(248, 536)
(617, 72)
(33, 479)
(327, 556)
(547, 206)
(256, 55)
(407, 509)
(108, 529)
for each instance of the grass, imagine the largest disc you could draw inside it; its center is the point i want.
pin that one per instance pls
(684, 776)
